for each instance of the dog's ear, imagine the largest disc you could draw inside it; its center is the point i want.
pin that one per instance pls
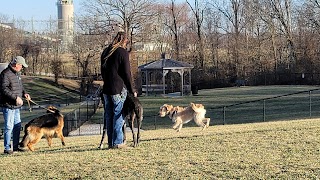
(51, 109)
(193, 106)
(200, 106)
(169, 107)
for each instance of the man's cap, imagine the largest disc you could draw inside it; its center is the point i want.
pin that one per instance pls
(20, 60)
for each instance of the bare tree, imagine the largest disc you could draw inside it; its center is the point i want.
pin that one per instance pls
(8, 39)
(312, 12)
(86, 55)
(281, 10)
(56, 67)
(33, 51)
(234, 14)
(213, 40)
(128, 15)
(198, 14)
(177, 15)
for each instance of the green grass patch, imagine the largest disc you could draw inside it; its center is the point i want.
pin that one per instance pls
(295, 106)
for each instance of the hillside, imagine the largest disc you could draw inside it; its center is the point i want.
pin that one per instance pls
(70, 84)
(44, 91)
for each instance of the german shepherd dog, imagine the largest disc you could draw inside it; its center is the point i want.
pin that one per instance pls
(47, 125)
(133, 112)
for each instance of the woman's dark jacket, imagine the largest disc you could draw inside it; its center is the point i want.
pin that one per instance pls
(11, 88)
(116, 72)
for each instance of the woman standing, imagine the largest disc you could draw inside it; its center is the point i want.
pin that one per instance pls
(117, 82)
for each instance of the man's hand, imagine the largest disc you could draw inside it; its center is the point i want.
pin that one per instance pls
(19, 101)
(27, 96)
(135, 94)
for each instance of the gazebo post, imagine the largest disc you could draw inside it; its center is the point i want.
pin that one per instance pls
(181, 74)
(147, 83)
(189, 89)
(163, 81)
(164, 73)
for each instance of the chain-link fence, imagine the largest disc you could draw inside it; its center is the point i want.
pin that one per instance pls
(86, 109)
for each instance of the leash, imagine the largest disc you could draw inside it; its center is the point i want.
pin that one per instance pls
(30, 109)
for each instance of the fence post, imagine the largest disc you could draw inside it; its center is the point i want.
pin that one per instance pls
(264, 110)
(87, 110)
(102, 122)
(224, 115)
(79, 123)
(310, 104)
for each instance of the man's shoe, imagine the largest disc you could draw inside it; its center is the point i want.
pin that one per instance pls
(120, 146)
(18, 150)
(7, 152)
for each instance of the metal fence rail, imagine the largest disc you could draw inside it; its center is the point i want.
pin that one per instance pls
(86, 109)
(299, 105)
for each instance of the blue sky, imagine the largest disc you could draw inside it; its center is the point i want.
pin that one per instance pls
(36, 9)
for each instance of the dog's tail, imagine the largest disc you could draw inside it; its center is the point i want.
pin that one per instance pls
(199, 108)
(139, 112)
(25, 140)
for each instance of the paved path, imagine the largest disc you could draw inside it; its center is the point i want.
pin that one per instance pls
(91, 129)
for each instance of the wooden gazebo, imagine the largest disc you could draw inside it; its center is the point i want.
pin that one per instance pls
(158, 77)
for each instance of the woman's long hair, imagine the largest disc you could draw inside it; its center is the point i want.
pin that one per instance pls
(118, 41)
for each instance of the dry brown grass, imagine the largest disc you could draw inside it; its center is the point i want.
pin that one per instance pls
(273, 150)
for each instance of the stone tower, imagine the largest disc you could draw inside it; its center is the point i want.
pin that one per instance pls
(65, 23)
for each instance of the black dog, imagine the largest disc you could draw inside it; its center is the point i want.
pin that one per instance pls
(132, 109)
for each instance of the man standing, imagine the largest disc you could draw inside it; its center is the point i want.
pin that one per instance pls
(11, 94)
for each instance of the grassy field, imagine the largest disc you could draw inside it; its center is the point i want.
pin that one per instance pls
(240, 149)
(269, 150)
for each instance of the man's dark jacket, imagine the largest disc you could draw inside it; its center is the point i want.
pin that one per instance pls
(11, 88)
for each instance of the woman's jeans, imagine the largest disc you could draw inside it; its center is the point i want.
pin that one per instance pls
(113, 117)
(12, 124)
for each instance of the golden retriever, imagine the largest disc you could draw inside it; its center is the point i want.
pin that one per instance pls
(195, 112)
(182, 115)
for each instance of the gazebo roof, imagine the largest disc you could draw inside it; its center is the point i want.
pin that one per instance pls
(166, 64)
